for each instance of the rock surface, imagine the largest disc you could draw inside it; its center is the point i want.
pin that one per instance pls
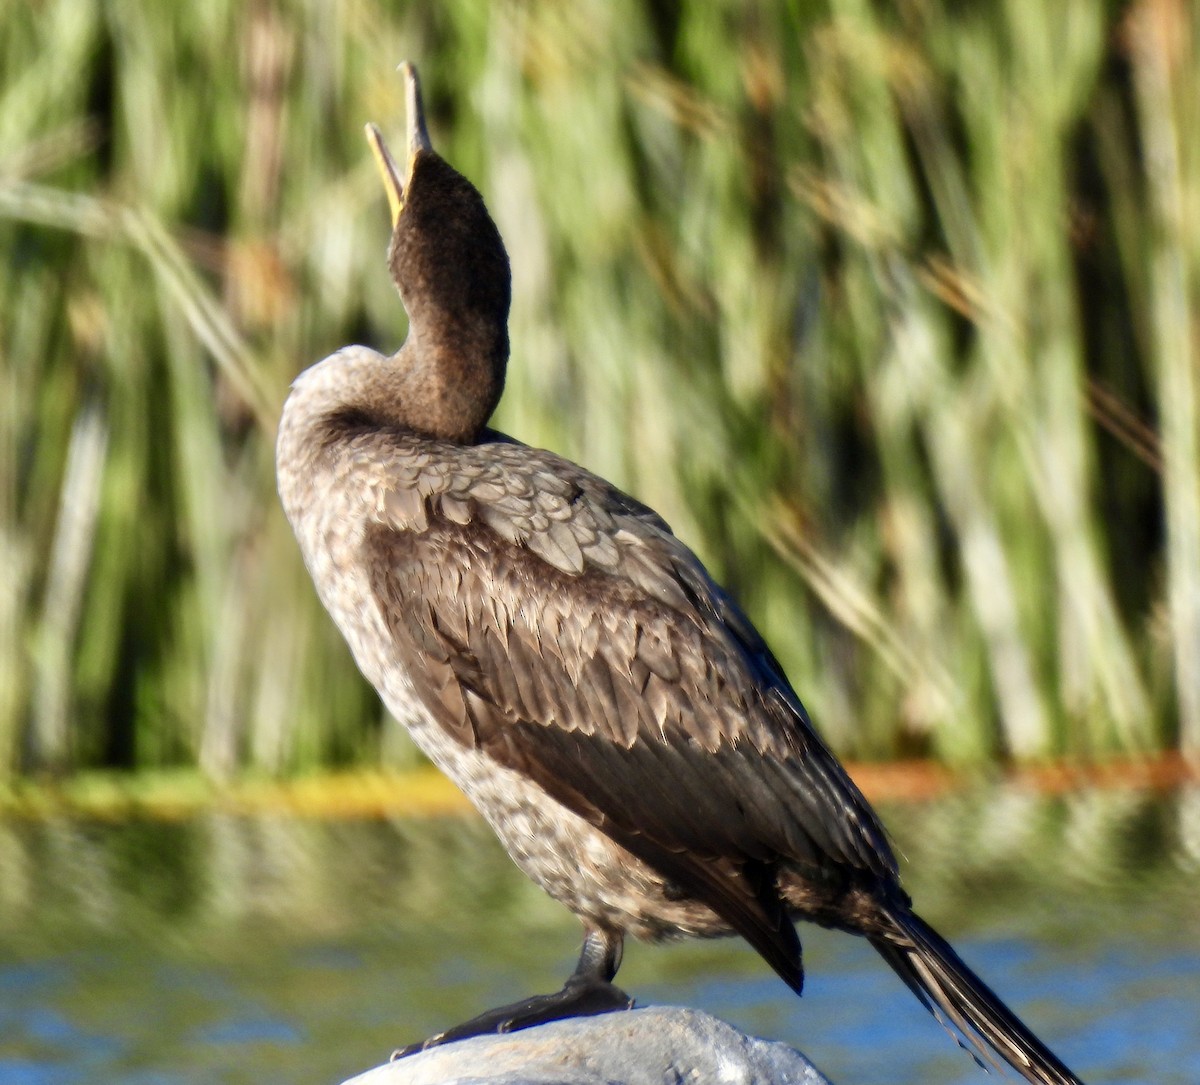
(660, 1045)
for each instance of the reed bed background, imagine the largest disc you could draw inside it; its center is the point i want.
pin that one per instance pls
(890, 309)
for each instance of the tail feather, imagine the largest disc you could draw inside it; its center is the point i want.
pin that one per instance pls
(957, 997)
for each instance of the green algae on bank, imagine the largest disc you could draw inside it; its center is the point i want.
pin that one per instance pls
(184, 792)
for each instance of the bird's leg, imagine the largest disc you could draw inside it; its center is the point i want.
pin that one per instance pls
(589, 990)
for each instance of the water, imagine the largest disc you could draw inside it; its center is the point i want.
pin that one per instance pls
(278, 948)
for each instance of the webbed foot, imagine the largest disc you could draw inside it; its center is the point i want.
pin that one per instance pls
(588, 991)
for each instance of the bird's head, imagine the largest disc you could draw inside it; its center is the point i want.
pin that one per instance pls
(446, 256)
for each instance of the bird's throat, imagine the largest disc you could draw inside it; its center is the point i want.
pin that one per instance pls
(446, 383)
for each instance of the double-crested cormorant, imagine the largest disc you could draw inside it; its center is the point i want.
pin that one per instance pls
(568, 662)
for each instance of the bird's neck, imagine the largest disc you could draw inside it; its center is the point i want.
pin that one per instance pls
(447, 378)
(442, 384)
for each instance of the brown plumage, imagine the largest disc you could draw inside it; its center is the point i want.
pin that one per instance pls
(569, 663)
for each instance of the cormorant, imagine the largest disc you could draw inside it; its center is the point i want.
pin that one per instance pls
(569, 663)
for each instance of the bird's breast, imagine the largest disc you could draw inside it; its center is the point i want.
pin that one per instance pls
(570, 859)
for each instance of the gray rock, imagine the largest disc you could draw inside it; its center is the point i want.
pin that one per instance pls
(660, 1045)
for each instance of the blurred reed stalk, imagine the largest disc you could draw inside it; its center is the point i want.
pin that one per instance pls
(889, 308)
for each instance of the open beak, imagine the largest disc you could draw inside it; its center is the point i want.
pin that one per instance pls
(394, 181)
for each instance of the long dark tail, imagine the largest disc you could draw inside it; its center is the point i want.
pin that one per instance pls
(931, 969)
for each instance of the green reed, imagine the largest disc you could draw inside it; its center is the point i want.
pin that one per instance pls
(889, 309)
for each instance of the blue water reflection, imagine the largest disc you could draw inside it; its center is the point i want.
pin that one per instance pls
(373, 934)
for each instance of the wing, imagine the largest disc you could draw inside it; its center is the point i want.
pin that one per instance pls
(557, 625)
